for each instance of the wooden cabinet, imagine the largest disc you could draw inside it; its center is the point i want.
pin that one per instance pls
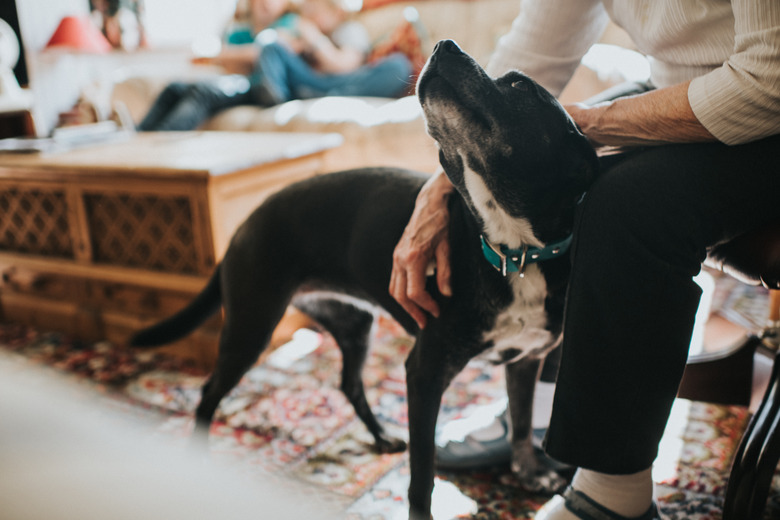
(103, 240)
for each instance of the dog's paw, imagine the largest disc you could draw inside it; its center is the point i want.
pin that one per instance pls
(389, 445)
(543, 481)
(535, 473)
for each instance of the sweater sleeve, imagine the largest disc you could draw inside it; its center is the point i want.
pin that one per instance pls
(739, 101)
(548, 39)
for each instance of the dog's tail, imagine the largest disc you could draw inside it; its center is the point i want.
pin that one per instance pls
(206, 303)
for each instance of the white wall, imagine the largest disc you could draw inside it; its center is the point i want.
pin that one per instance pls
(168, 22)
(180, 22)
(57, 78)
(39, 18)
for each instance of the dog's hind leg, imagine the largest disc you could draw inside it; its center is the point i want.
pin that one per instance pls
(350, 323)
(254, 305)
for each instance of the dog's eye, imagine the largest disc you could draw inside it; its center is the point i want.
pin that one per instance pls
(520, 85)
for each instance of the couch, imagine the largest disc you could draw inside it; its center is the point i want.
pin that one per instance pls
(377, 131)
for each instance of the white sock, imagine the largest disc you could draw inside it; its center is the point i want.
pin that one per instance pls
(627, 495)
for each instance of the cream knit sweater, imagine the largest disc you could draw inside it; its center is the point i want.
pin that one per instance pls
(731, 51)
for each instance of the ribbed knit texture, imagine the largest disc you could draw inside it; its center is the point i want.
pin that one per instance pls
(731, 49)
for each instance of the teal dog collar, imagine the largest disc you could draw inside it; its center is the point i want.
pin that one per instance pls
(507, 260)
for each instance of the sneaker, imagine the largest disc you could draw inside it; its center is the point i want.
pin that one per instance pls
(490, 446)
(486, 447)
(582, 506)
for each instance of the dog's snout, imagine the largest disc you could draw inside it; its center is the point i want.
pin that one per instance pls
(448, 46)
(440, 63)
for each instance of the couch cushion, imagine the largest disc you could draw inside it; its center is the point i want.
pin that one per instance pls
(377, 131)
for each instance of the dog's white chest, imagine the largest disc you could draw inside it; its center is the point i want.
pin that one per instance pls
(521, 328)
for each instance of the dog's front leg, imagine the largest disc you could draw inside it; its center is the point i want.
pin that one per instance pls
(429, 369)
(521, 379)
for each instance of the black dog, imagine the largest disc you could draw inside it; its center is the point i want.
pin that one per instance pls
(520, 166)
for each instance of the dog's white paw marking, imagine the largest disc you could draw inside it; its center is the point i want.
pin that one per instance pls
(533, 475)
(545, 482)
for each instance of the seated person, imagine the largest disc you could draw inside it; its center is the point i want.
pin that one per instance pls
(317, 52)
(327, 58)
(119, 22)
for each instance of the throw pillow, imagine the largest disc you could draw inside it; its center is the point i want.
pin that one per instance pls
(407, 38)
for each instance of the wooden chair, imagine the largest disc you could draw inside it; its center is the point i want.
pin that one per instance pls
(753, 258)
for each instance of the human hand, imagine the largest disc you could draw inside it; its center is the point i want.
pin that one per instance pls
(584, 116)
(203, 60)
(311, 34)
(424, 240)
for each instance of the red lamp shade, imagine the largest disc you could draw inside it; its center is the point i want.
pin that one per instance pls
(80, 34)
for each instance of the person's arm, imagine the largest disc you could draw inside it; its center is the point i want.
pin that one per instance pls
(424, 241)
(739, 101)
(329, 58)
(735, 103)
(547, 40)
(235, 59)
(657, 117)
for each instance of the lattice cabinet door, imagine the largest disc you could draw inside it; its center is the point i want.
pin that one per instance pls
(147, 231)
(159, 231)
(35, 219)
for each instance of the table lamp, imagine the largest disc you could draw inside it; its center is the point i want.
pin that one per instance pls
(80, 34)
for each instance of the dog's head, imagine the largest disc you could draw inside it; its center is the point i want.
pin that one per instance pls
(507, 145)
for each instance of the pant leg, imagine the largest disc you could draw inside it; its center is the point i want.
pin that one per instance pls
(389, 77)
(164, 103)
(197, 102)
(287, 76)
(279, 70)
(641, 234)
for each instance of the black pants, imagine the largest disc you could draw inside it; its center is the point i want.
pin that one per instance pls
(642, 232)
(185, 106)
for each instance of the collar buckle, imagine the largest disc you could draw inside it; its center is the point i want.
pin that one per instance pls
(518, 260)
(506, 260)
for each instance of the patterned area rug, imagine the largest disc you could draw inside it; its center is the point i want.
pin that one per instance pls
(288, 418)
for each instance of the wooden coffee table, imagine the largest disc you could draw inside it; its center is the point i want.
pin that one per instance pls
(102, 240)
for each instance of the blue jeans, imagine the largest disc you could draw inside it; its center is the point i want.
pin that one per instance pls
(281, 75)
(286, 76)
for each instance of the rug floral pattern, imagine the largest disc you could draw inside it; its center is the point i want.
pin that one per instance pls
(290, 420)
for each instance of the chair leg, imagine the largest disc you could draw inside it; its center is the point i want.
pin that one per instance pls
(774, 305)
(757, 457)
(722, 377)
